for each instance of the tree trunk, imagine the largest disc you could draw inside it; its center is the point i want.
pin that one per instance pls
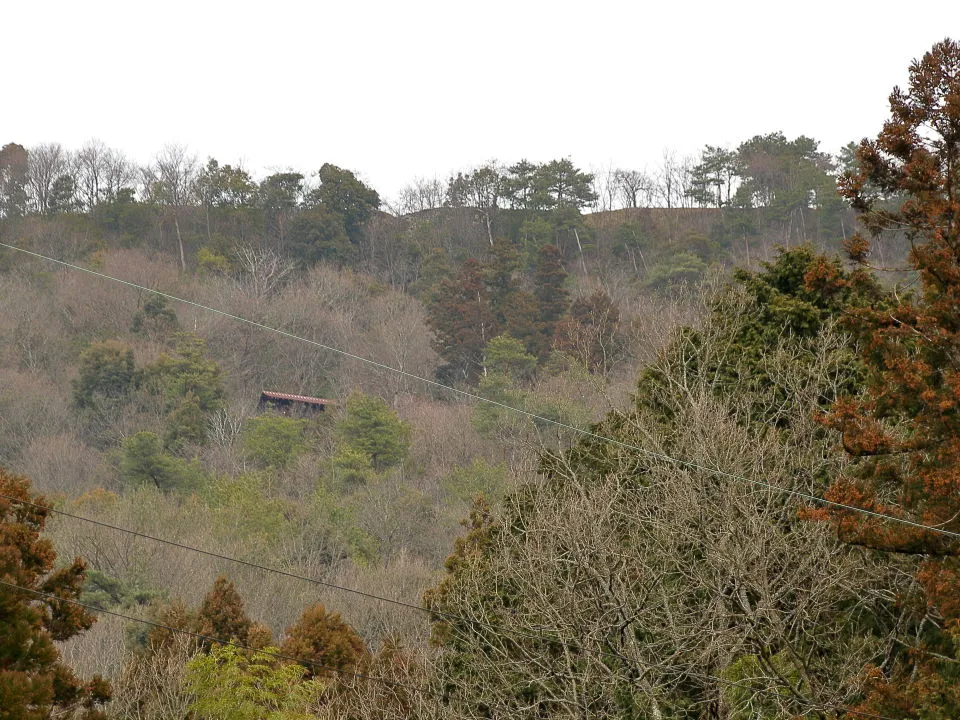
(583, 263)
(183, 259)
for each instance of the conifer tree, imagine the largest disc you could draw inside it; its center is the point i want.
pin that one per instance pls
(325, 639)
(515, 310)
(552, 297)
(34, 683)
(462, 321)
(222, 614)
(904, 432)
(107, 372)
(371, 428)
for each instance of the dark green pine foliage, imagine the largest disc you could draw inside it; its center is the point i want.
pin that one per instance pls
(515, 310)
(551, 294)
(107, 373)
(318, 234)
(342, 193)
(331, 226)
(788, 302)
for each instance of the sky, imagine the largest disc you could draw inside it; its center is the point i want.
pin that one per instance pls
(418, 89)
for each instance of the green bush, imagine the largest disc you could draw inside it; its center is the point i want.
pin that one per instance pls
(274, 441)
(508, 356)
(107, 371)
(143, 462)
(372, 428)
(478, 478)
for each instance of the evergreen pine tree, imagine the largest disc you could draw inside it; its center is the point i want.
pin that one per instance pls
(34, 683)
(904, 432)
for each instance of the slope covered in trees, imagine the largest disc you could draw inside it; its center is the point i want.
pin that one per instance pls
(687, 569)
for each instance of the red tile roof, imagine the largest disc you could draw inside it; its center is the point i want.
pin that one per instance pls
(269, 395)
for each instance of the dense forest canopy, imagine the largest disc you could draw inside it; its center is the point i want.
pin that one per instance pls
(554, 442)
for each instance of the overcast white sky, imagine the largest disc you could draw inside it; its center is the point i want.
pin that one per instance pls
(398, 90)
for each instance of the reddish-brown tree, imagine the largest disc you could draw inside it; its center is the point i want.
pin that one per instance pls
(462, 321)
(222, 614)
(323, 638)
(905, 430)
(33, 682)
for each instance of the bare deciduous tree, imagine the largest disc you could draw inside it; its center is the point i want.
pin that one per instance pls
(422, 194)
(262, 271)
(169, 181)
(152, 686)
(91, 163)
(672, 585)
(632, 187)
(46, 163)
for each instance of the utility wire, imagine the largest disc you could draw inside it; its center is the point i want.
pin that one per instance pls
(267, 568)
(458, 619)
(533, 416)
(377, 678)
(478, 398)
(472, 396)
(221, 641)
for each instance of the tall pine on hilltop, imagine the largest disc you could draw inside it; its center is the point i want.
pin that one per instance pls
(905, 430)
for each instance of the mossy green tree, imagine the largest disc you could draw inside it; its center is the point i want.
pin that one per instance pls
(186, 425)
(680, 269)
(274, 441)
(191, 389)
(188, 370)
(508, 366)
(106, 591)
(369, 426)
(352, 466)
(143, 461)
(229, 684)
(155, 318)
(507, 356)
(107, 374)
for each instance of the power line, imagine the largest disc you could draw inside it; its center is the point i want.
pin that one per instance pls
(266, 568)
(221, 641)
(458, 619)
(478, 398)
(377, 678)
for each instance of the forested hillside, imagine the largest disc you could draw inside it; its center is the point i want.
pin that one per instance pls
(530, 441)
